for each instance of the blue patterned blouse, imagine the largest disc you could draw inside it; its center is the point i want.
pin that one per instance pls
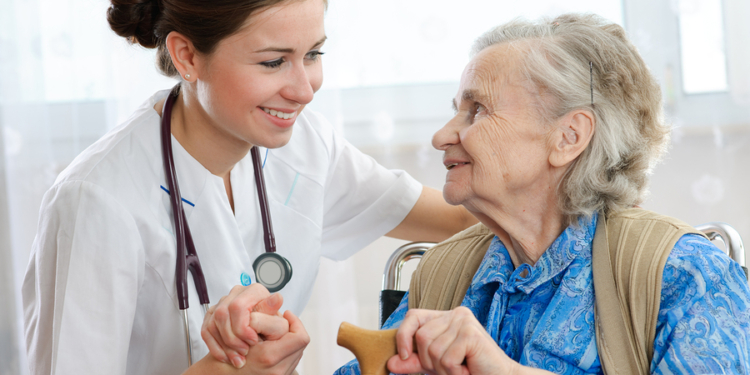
(546, 318)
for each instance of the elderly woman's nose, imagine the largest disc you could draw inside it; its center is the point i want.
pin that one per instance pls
(446, 137)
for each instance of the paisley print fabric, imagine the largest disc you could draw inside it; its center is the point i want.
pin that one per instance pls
(543, 315)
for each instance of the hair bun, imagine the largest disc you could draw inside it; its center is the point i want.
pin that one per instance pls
(135, 20)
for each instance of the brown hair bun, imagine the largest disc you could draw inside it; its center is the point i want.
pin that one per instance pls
(135, 20)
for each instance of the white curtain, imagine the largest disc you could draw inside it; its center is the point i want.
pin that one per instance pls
(65, 79)
(391, 69)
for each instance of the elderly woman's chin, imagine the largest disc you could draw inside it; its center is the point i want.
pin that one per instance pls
(456, 192)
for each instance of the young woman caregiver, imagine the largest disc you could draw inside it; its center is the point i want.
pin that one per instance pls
(99, 294)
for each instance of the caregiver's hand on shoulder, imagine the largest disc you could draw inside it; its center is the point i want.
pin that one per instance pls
(248, 315)
(448, 342)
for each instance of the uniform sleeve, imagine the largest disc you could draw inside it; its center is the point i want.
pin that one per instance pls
(394, 321)
(363, 200)
(704, 319)
(81, 285)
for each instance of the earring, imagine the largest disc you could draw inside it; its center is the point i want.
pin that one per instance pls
(187, 76)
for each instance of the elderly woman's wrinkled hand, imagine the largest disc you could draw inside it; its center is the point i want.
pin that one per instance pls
(448, 342)
(241, 320)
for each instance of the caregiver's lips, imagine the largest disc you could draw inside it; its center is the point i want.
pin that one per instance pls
(281, 117)
(280, 113)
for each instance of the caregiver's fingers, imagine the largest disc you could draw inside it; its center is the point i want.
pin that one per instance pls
(413, 320)
(218, 325)
(270, 305)
(238, 311)
(297, 338)
(285, 351)
(214, 341)
(227, 334)
(214, 347)
(296, 327)
(270, 327)
(220, 350)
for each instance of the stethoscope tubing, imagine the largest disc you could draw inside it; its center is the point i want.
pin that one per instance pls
(260, 184)
(187, 257)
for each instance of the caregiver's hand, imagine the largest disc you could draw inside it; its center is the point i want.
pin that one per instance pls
(267, 357)
(448, 342)
(278, 356)
(240, 320)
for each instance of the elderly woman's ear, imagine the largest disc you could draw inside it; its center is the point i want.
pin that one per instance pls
(570, 137)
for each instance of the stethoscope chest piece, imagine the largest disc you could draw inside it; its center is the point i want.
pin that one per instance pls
(272, 271)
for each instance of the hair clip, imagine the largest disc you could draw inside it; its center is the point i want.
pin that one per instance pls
(591, 80)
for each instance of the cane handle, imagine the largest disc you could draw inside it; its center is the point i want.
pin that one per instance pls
(372, 348)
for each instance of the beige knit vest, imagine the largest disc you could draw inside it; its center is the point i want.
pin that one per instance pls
(628, 260)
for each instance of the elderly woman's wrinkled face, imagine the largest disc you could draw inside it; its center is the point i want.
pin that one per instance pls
(496, 146)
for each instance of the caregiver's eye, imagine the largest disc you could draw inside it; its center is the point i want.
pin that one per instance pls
(273, 63)
(313, 55)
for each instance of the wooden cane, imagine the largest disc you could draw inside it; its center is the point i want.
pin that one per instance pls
(372, 348)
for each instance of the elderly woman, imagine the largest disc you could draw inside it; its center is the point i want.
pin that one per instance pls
(557, 126)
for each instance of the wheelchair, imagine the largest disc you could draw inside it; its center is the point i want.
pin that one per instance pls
(392, 293)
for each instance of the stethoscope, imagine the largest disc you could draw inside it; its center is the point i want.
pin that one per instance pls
(271, 269)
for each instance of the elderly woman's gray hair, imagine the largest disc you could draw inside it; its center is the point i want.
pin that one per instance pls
(562, 58)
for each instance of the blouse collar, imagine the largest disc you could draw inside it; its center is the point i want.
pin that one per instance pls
(575, 241)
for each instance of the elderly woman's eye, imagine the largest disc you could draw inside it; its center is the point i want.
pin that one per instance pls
(479, 109)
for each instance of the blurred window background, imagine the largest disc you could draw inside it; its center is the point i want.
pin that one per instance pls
(391, 69)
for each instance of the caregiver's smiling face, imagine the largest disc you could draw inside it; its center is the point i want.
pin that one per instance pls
(257, 81)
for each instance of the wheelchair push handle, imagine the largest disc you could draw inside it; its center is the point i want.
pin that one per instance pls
(392, 272)
(731, 239)
(391, 293)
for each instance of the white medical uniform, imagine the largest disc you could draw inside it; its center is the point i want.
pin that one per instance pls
(99, 294)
